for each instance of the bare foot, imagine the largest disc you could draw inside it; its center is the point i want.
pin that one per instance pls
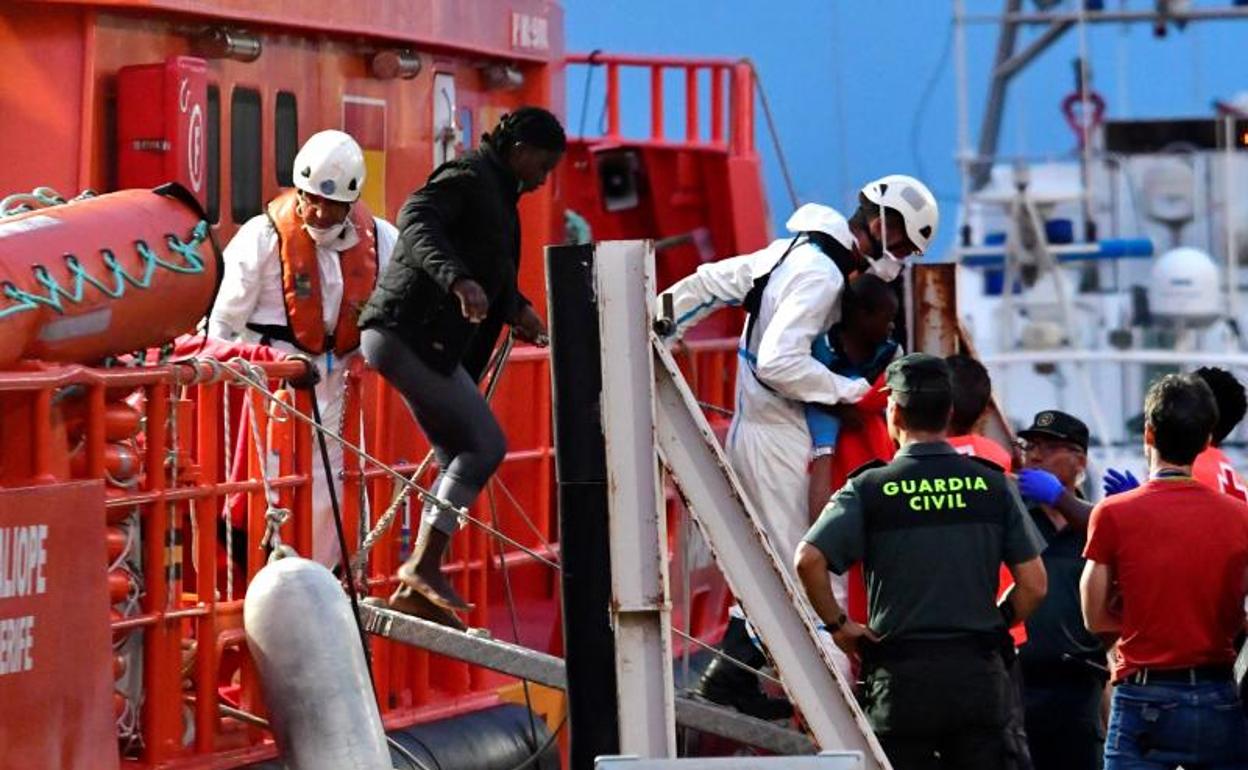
(410, 602)
(433, 586)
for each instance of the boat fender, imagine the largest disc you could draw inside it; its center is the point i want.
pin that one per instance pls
(304, 641)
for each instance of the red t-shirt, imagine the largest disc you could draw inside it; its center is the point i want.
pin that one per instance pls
(1213, 469)
(976, 445)
(1178, 551)
(855, 448)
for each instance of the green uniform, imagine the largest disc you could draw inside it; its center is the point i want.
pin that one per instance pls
(931, 530)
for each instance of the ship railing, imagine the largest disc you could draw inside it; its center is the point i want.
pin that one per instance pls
(180, 613)
(730, 122)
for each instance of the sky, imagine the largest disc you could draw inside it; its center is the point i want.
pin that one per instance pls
(863, 88)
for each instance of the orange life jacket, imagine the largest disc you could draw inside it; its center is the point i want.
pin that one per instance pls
(301, 278)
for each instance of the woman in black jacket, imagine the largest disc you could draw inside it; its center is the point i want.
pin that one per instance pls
(433, 321)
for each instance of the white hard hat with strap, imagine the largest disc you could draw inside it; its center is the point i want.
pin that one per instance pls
(912, 200)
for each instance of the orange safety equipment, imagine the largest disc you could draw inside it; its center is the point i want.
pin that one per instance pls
(105, 275)
(301, 279)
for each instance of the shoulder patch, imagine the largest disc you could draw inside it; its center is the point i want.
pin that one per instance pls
(861, 469)
(985, 461)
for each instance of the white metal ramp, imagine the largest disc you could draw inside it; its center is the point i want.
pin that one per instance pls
(646, 404)
(548, 670)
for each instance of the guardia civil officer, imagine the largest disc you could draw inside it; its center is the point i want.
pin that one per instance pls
(930, 528)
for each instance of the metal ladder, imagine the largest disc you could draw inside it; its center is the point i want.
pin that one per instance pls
(548, 670)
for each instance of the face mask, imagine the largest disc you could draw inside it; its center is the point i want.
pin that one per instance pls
(886, 267)
(325, 236)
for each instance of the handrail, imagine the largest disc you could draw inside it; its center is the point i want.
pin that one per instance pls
(733, 106)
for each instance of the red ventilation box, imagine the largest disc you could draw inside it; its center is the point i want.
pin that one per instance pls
(161, 113)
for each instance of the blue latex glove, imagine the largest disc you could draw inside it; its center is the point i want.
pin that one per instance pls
(824, 427)
(1114, 482)
(1039, 486)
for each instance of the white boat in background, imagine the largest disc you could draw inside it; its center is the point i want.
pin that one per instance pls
(1125, 257)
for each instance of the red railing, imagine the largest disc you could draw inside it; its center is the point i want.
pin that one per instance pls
(192, 645)
(731, 95)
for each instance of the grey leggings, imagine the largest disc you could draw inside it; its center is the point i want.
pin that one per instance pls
(467, 441)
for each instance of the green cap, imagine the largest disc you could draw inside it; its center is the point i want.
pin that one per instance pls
(918, 373)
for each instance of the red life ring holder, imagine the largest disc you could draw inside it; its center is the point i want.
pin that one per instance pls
(1072, 109)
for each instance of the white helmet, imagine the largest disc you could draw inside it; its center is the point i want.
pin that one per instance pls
(330, 164)
(910, 198)
(819, 218)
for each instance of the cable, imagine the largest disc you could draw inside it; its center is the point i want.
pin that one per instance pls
(328, 467)
(716, 409)
(246, 717)
(925, 99)
(410, 757)
(511, 609)
(537, 755)
(589, 77)
(721, 654)
(775, 136)
(424, 494)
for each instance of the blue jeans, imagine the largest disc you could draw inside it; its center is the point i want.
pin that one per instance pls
(1167, 725)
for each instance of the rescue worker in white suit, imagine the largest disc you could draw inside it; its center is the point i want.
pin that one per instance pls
(791, 290)
(296, 278)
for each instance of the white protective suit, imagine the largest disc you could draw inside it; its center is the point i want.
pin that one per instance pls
(769, 445)
(251, 292)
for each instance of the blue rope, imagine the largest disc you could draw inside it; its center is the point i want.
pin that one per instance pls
(192, 263)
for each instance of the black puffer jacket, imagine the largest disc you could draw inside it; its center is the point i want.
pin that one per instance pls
(462, 224)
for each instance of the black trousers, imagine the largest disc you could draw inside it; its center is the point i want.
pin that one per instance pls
(1063, 714)
(939, 705)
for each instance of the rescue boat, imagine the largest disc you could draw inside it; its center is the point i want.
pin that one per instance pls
(121, 586)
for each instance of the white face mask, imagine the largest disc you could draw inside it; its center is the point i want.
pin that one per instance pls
(886, 267)
(325, 236)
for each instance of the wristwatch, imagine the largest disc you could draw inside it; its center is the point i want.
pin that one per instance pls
(832, 628)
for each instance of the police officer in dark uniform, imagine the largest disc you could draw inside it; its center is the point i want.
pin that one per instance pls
(931, 529)
(1063, 663)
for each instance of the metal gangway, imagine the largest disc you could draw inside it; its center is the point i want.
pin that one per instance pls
(649, 422)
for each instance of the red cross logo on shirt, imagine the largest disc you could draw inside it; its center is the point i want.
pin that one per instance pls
(1229, 482)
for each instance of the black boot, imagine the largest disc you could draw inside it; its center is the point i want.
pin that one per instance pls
(727, 684)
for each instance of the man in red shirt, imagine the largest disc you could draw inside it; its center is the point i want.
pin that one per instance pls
(1166, 571)
(972, 392)
(1212, 467)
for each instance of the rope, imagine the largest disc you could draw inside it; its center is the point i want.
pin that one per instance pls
(39, 198)
(716, 409)
(192, 264)
(435, 500)
(775, 135)
(274, 516)
(496, 366)
(423, 493)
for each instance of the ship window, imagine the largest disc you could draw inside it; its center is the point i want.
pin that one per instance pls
(285, 137)
(245, 160)
(212, 140)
